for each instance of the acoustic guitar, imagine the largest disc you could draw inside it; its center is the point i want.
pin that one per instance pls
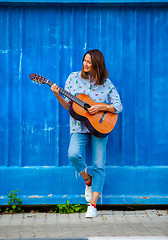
(99, 124)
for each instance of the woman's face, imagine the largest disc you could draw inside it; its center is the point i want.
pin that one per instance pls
(87, 64)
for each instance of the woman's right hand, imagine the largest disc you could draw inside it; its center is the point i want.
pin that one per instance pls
(55, 89)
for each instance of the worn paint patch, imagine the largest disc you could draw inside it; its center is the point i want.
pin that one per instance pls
(35, 196)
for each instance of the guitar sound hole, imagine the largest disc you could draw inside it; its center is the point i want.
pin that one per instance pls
(86, 106)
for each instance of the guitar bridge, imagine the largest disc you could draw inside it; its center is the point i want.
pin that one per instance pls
(102, 118)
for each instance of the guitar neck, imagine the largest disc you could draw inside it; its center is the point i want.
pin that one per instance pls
(68, 95)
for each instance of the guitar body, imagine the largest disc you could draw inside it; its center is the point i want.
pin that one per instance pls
(99, 124)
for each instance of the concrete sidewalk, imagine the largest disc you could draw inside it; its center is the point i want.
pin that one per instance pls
(147, 224)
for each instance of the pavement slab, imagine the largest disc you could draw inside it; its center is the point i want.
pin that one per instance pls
(119, 225)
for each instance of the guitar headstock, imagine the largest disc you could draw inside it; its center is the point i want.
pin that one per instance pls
(38, 78)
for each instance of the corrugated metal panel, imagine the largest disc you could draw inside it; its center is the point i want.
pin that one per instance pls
(34, 129)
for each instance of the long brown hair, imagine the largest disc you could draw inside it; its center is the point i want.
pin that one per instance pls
(98, 64)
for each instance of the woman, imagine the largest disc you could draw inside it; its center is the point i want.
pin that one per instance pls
(93, 81)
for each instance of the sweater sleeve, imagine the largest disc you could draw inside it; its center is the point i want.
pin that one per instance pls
(115, 100)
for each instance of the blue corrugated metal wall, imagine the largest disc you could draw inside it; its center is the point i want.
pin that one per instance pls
(50, 39)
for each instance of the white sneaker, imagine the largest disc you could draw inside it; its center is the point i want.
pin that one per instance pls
(91, 212)
(88, 193)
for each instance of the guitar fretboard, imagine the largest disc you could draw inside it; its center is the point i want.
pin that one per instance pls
(68, 95)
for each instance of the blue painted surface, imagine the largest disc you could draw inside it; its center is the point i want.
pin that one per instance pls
(34, 128)
(84, 1)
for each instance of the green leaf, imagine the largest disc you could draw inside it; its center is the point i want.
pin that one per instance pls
(9, 202)
(77, 209)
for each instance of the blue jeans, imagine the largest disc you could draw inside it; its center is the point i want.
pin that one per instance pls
(77, 145)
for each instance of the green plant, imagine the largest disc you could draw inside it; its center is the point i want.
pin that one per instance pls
(14, 202)
(69, 208)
